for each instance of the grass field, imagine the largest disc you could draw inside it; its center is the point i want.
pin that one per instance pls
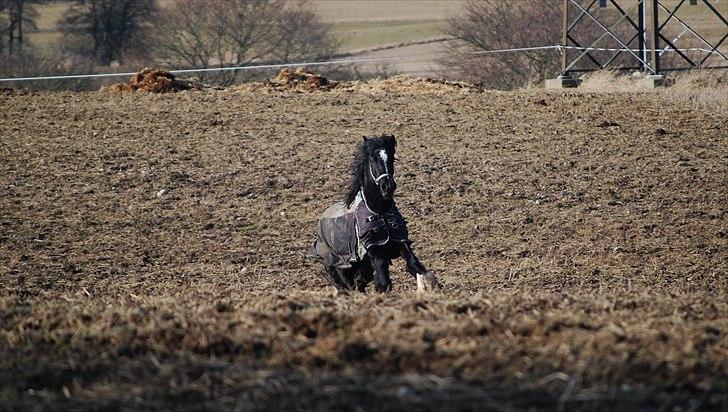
(361, 25)
(357, 36)
(338, 11)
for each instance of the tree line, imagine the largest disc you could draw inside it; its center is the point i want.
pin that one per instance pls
(185, 33)
(204, 34)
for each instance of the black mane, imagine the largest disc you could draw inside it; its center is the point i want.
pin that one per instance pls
(361, 160)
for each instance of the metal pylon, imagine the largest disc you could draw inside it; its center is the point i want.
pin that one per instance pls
(648, 27)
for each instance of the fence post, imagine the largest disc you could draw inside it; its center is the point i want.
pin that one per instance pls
(564, 34)
(642, 32)
(654, 33)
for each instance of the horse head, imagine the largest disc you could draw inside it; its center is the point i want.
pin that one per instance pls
(379, 153)
(373, 171)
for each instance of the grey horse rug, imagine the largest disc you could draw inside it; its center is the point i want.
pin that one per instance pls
(343, 234)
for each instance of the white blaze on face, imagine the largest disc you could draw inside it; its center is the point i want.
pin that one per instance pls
(383, 155)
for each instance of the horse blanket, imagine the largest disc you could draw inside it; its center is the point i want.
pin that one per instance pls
(343, 234)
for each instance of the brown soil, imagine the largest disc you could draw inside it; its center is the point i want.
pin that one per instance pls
(151, 252)
(302, 80)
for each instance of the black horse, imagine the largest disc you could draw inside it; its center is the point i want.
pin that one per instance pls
(358, 238)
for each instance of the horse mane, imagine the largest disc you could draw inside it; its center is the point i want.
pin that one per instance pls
(360, 162)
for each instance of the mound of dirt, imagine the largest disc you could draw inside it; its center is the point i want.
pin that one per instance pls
(155, 81)
(300, 80)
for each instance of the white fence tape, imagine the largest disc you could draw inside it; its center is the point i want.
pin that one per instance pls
(322, 63)
(258, 67)
(209, 69)
(516, 49)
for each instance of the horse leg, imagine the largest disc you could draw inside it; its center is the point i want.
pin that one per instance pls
(380, 264)
(331, 276)
(425, 279)
(364, 277)
(346, 278)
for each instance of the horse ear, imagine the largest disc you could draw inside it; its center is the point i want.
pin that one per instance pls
(392, 140)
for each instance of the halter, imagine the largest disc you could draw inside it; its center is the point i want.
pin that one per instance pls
(377, 179)
(383, 155)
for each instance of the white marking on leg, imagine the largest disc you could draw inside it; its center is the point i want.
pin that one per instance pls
(420, 283)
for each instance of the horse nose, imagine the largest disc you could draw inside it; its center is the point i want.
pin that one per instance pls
(387, 184)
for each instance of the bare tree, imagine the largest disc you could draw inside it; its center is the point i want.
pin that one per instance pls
(193, 34)
(190, 35)
(21, 14)
(496, 24)
(105, 29)
(303, 36)
(237, 33)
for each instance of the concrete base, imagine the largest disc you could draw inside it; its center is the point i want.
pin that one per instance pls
(562, 82)
(652, 81)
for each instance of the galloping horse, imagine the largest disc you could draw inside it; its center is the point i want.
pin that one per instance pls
(357, 239)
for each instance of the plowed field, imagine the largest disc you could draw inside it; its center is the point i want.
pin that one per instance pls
(152, 252)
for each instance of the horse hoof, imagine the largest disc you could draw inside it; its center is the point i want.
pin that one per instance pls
(426, 282)
(383, 288)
